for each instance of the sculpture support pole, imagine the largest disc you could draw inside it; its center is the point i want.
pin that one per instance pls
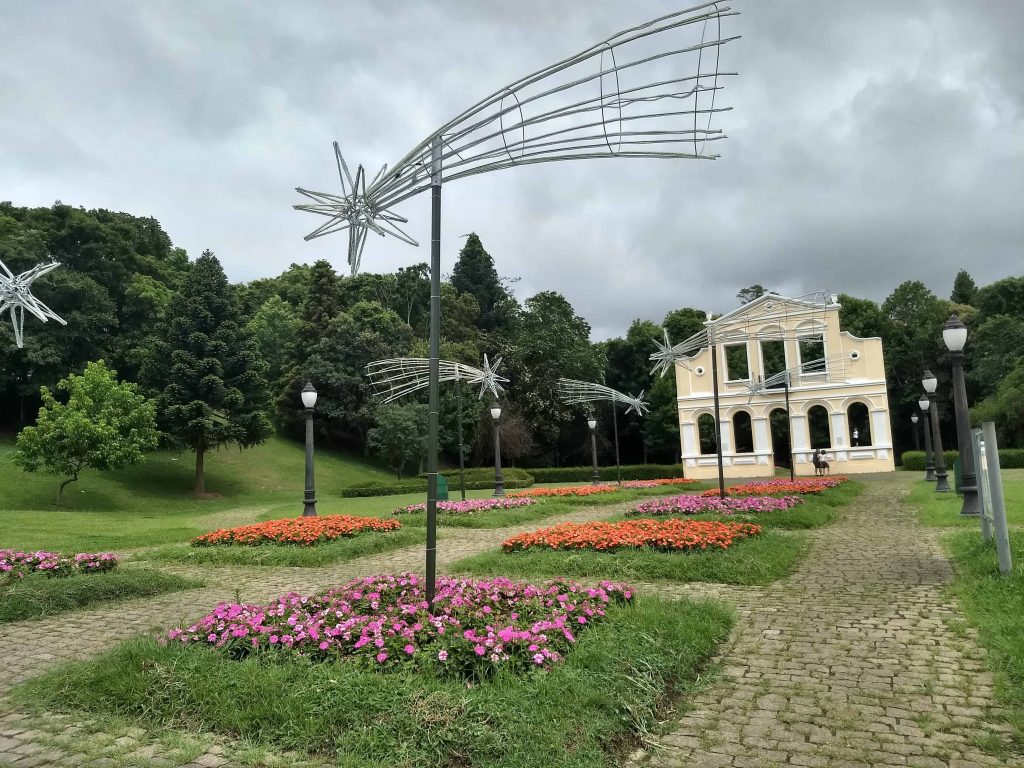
(718, 420)
(435, 365)
(789, 428)
(462, 458)
(615, 429)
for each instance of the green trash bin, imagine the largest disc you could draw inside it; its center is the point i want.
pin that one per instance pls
(956, 475)
(442, 488)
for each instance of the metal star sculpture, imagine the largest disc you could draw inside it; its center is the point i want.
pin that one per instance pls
(16, 296)
(397, 377)
(573, 391)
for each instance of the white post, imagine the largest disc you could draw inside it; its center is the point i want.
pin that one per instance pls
(998, 502)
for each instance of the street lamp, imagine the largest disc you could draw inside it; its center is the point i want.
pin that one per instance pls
(499, 481)
(954, 334)
(595, 478)
(929, 454)
(917, 440)
(930, 384)
(309, 499)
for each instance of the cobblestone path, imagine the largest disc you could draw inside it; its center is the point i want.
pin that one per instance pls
(858, 660)
(851, 662)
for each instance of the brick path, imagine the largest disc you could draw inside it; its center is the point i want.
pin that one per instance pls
(849, 662)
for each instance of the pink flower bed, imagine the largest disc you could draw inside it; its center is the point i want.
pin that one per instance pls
(472, 629)
(657, 483)
(15, 564)
(467, 507)
(696, 505)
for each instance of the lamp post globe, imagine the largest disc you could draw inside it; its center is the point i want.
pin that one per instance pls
(929, 382)
(499, 481)
(308, 396)
(954, 335)
(595, 477)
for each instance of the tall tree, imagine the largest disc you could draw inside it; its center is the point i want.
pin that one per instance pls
(474, 273)
(862, 317)
(748, 294)
(400, 435)
(207, 370)
(1003, 297)
(964, 288)
(683, 323)
(274, 328)
(628, 370)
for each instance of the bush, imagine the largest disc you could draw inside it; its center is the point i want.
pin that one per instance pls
(1009, 458)
(477, 479)
(582, 474)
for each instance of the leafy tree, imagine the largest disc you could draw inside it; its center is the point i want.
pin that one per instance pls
(105, 424)
(274, 328)
(321, 305)
(747, 295)
(208, 372)
(290, 286)
(683, 323)
(1006, 408)
(628, 370)
(964, 288)
(400, 434)
(914, 342)
(1003, 297)
(516, 440)
(994, 348)
(474, 273)
(862, 317)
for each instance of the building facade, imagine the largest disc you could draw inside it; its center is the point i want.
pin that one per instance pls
(836, 392)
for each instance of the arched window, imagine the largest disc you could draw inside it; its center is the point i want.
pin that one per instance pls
(858, 420)
(743, 432)
(817, 422)
(707, 433)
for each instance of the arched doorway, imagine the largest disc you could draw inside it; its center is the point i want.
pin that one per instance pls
(817, 423)
(778, 423)
(707, 434)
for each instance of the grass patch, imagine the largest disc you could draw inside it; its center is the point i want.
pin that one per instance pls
(995, 605)
(759, 559)
(589, 711)
(367, 543)
(940, 510)
(38, 595)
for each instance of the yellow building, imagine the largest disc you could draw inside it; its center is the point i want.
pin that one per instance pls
(837, 393)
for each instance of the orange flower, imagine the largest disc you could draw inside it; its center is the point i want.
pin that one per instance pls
(304, 531)
(570, 490)
(670, 535)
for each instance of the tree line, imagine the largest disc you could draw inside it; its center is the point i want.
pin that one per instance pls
(224, 363)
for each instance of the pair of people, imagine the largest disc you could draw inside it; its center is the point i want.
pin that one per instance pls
(820, 461)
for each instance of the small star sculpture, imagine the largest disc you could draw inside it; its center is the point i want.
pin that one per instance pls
(16, 297)
(488, 378)
(353, 210)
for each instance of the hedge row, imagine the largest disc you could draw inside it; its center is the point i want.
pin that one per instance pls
(582, 474)
(1009, 458)
(477, 479)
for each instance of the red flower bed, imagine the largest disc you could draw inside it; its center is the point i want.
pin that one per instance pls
(305, 531)
(803, 486)
(569, 490)
(670, 535)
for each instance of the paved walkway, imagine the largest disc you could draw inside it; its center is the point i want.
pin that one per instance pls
(853, 661)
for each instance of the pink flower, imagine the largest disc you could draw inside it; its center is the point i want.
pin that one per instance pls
(442, 655)
(410, 649)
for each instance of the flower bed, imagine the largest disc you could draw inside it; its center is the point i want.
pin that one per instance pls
(304, 531)
(15, 564)
(696, 505)
(467, 507)
(803, 486)
(569, 490)
(657, 483)
(668, 535)
(472, 629)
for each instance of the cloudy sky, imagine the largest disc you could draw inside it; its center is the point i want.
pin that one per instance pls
(869, 142)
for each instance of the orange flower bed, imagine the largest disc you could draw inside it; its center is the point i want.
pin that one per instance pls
(803, 486)
(569, 490)
(669, 535)
(304, 531)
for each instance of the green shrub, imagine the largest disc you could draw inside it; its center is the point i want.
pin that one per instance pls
(1009, 458)
(477, 479)
(582, 474)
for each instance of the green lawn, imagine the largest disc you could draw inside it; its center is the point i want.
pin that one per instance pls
(590, 711)
(759, 559)
(38, 595)
(939, 510)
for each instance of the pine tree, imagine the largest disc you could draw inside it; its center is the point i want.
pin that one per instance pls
(964, 288)
(207, 370)
(474, 273)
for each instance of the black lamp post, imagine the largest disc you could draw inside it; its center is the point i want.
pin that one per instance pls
(917, 440)
(499, 481)
(595, 478)
(954, 334)
(309, 499)
(930, 384)
(929, 453)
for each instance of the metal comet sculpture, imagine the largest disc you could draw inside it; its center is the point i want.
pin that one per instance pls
(647, 92)
(573, 391)
(397, 377)
(16, 296)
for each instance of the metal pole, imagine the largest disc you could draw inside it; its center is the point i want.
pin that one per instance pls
(789, 428)
(718, 420)
(941, 483)
(929, 453)
(615, 429)
(968, 477)
(917, 436)
(595, 477)
(499, 481)
(984, 487)
(435, 365)
(309, 498)
(995, 480)
(462, 456)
